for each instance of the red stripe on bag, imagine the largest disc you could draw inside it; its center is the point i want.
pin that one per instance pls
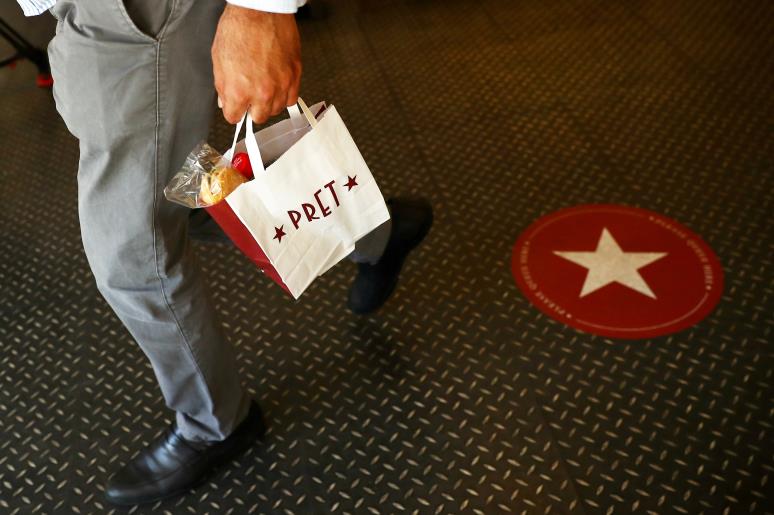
(233, 227)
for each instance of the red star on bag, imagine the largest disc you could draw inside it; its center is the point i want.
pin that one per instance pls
(351, 183)
(279, 233)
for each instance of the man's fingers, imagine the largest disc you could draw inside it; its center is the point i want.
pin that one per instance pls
(279, 104)
(292, 93)
(233, 110)
(263, 102)
(292, 98)
(268, 102)
(259, 112)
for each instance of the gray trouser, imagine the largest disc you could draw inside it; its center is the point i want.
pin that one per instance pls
(133, 82)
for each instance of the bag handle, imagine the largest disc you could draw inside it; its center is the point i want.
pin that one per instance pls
(295, 114)
(253, 151)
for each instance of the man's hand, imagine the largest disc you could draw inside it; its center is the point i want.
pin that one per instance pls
(256, 59)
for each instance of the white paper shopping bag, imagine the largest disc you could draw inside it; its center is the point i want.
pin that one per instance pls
(308, 208)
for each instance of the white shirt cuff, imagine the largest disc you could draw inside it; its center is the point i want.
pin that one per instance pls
(35, 7)
(271, 6)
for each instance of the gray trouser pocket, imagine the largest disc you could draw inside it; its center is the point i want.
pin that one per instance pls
(148, 16)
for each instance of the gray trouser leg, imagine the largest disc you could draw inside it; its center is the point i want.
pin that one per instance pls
(139, 98)
(370, 247)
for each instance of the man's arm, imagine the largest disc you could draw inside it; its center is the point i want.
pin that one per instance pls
(256, 58)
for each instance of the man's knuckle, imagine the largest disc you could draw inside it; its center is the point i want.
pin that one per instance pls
(264, 92)
(284, 85)
(238, 96)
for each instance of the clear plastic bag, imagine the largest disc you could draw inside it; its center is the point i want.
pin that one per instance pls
(205, 178)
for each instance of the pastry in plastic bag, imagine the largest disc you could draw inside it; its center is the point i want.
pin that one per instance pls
(218, 184)
(205, 179)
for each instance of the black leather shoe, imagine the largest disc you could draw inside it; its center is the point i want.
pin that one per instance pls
(171, 465)
(411, 221)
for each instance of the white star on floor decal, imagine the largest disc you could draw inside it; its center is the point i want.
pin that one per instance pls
(609, 264)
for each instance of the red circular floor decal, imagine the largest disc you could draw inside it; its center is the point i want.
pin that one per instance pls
(617, 271)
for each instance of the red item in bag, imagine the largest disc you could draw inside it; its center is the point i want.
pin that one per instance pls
(241, 163)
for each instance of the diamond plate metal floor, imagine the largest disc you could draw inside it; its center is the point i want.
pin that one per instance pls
(459, 397)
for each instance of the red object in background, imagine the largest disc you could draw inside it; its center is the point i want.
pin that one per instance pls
(233, 227)
(562, 253)
(241, 163)
(44, 80)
